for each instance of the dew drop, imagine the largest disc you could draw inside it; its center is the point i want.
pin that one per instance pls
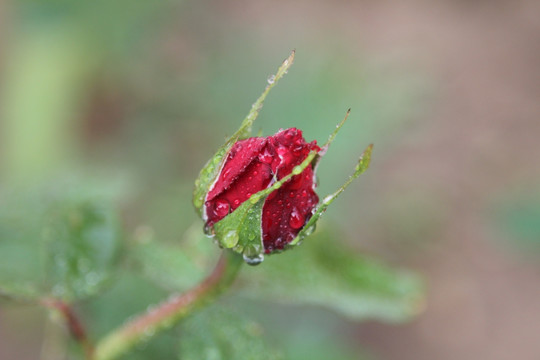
(236, 202)
(282, 150)
(208, 230)
(308, 231)
(221, 208)
(252, 255)
(297, 220)
(230, 239)
(271, 79)
(265, 157)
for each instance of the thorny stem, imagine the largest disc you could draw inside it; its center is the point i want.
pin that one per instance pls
(170, 311)
(76, 329)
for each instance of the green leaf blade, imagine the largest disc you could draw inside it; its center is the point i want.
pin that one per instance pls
(220, 334)
(326, 273)
(173, 266)
(56, 244)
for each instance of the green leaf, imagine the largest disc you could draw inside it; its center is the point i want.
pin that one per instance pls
(324, 272)
(56, 243)
(210, 171)
(219, 334)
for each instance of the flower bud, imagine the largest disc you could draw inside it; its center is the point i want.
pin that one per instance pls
(256, 195)
(255, 164)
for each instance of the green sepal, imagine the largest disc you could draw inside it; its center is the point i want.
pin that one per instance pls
(241, 229)
(210, 171)
(331, 138)
(363, 164)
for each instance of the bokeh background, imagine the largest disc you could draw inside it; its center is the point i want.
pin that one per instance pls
(139, 94)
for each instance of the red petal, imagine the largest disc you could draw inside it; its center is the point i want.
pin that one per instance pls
(286, 213)
(239, 158)
(287, 209)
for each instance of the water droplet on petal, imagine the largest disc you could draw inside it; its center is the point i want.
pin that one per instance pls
(265, 157)
(282, 150)
(291, 134)
(221, 208)
(297, 220)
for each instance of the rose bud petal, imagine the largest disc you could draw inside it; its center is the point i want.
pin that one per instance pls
(253, 165)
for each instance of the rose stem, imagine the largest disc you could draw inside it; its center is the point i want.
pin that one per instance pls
(169, 312)
(76, 328)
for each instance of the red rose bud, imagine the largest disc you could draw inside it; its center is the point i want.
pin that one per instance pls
(256, 195)
(255, 164)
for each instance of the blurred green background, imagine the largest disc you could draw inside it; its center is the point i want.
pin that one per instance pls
(131, 98)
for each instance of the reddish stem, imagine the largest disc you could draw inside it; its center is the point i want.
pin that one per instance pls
(75, 327)
(170, 311)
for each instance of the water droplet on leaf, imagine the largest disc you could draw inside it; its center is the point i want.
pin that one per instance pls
(208, 230)
(253, 259)
(230, 239)
(308, 231)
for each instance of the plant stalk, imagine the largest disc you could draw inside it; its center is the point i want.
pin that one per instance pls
(75, 327)
(172, 310)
